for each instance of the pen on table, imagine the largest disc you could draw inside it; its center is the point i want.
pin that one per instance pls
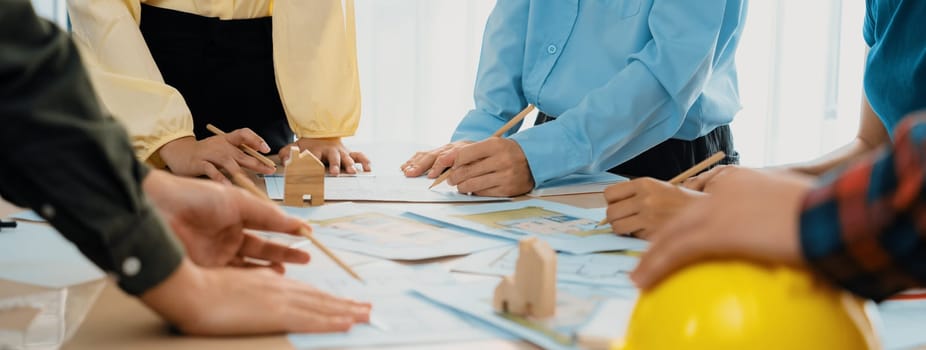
(7, 224)
(498, 133)
(678, 179)
(247, 149)
(242, 181)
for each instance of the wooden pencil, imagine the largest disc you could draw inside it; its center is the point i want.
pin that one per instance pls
(242, 181)
(247, 149)
(498, 133)
(697, 168)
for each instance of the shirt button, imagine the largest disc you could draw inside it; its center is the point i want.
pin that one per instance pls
(47, 211)
(551, 49)
(131, 266)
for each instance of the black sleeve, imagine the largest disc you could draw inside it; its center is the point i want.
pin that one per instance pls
(61, 157)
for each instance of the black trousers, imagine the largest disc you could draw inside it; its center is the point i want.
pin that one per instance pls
(671, 157)
(223, 69)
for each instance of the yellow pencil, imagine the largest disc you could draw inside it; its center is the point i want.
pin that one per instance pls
(697, 168)
(498, 133)
(242, 181)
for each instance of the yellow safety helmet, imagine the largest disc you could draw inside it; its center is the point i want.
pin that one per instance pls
(721, 305)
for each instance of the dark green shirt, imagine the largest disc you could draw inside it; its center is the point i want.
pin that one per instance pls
(60, 155)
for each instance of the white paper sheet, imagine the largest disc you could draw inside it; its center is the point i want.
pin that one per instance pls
(567, 228)
(596, 269)
(576, 183)
(28, 215)
(382, 189)
(398, 316)
(902, 323)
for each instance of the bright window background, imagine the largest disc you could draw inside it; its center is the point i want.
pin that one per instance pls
(800, 66)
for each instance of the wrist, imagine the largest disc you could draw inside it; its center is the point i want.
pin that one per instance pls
(172, 151)
(173, 300)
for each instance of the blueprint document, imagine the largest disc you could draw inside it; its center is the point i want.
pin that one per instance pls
(567, 228)
(398, 316)
(608, 269)
(579, 308)
(390, 234)
(382, 189)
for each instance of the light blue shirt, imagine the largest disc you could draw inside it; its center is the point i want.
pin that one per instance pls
(621, 76)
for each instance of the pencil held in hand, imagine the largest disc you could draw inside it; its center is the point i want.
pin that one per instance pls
(498, 133)
(247, 149)
(697, 168)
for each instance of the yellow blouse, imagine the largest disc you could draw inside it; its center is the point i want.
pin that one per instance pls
(314, 52)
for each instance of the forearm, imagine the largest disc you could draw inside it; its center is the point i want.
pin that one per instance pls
(851, 152)
(65, 160)
(315, 57)
(861, 227)
(647, 101)
(498, 93)
(871, 135)
(126, 77)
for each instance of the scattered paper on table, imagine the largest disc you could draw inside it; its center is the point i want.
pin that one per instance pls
(399, 317)
(567, 228)
(382, 189)
(577, 308)
(576, 184)
(605, 269)
(391, 234)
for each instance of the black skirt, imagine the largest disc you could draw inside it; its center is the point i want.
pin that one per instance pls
(222, 68)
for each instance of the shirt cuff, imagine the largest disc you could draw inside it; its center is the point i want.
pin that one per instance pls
(550, 152)
(145, 255)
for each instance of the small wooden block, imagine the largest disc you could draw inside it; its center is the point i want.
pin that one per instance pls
(305, 175)
(531, 291)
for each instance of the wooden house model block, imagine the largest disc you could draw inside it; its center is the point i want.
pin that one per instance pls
(531, 291)
(305, 175)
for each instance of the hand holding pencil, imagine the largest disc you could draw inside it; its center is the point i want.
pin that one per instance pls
(495, 166)
(639, 206)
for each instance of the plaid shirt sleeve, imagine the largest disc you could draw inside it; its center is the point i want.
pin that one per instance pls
(865, 227)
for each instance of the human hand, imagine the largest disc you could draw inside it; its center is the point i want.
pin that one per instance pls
(495, 167)
(243, 301)
(331, 152)
(433, 162)
(639, 206)
(750, 214)
(188, 157)
(210, 219)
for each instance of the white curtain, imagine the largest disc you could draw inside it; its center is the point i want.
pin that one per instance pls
(800, 65)
(418, 62)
